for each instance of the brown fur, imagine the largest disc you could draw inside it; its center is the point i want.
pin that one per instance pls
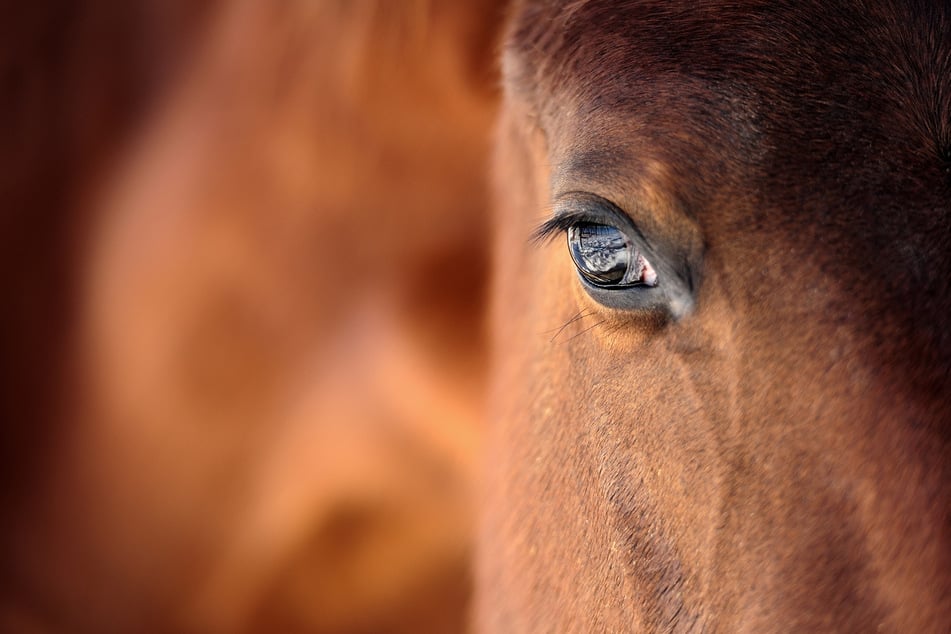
(245, 253)
(778, 459)
(245, 257)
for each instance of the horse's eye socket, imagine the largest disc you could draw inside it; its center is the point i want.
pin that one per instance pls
(606, 257)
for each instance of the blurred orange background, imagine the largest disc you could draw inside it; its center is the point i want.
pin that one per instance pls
(244, 271)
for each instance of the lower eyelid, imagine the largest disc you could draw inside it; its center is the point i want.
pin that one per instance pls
(637, 298)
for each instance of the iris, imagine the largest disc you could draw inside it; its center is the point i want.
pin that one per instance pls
(606, 257)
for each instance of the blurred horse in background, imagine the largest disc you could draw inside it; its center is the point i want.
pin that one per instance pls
(244, 273)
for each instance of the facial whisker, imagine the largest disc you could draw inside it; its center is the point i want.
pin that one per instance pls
(580, 315)
(575, 317)
(584, 331)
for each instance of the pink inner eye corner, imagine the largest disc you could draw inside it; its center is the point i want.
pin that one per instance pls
(646, 274)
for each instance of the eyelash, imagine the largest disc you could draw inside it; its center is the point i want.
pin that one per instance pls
(606, 214)
(554, 227)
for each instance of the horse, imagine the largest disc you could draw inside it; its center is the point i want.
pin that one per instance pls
(248, 259)
(244, 265)
(720, 397)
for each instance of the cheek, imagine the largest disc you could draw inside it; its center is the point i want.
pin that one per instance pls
(606, 425)
(578, 453)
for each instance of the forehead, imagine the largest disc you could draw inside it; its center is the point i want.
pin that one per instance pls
(603, 53)
(585, 44)
(760, 87)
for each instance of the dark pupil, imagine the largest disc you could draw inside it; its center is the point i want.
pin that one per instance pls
(600, 252)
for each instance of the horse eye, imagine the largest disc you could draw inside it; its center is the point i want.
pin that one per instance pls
(606, 257)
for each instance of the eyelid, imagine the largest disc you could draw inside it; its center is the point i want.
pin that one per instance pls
(556, 225)
(575, 207)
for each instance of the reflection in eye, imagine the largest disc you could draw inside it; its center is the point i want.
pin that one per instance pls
(607, 258)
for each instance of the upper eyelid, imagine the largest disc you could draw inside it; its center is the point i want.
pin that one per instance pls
(549, 229)
(603, 212)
